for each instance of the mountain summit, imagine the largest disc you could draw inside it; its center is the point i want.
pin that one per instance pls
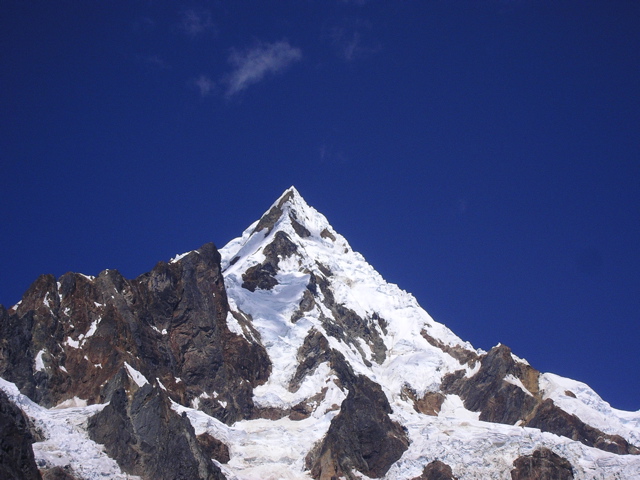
(282, 355)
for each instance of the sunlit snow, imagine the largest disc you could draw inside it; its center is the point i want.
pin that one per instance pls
(66, 439)
(136, 376)
(275, 449)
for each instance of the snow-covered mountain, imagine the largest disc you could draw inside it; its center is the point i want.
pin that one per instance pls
(284, 355)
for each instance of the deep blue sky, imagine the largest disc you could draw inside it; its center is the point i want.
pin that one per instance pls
(484, 155)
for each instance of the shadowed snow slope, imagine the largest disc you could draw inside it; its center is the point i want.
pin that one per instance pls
(291, 353)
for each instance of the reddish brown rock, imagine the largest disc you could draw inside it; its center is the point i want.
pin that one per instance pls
(550, 418)
(58, 473)
(543, 464)
(168, 324)
(436, 470)
(429, 404)
(499, 400)
(463, 355)
(214, 448)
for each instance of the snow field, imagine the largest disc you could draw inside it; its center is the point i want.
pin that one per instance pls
(481, 450)
(266, 449)
(66, 439)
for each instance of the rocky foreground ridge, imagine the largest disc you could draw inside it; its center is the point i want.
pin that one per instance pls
(283, 355)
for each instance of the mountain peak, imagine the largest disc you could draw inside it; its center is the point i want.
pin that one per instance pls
(291, 209)
(296, 356)
(289, 224)
(289, 194)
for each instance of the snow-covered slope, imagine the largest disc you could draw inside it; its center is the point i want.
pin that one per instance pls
(354, 284)
(320, 369)
(410, 363)
(66, 440)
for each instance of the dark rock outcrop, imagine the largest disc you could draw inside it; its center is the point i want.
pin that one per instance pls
(214, 448)
(16, 454)
(348, 327)
(361, 437)
(300, 229)
(549, 418)
(429, 404)
(71, 337)
(270, 218)
(306, 305)
(463, 355)
(436, 470)
(327, 234)
(499, 400)
(314, 351)
(262, 275)
(58, 473)
(489, 393)
(543, 464)
(147, 438)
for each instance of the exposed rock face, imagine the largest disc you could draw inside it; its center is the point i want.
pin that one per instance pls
(314, 351)
(436, 470)
(543, 464)
(16, 454)
(262, 276)
(463, 355)
(270, 218)
(213, 448)
(494, 392)
(149, 439)
(347, 326)
(429, 404)
(549, 418)
(57, 473)
(490, 393)
(71, 337)
(361, 437)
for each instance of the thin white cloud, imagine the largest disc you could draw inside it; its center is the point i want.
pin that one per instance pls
(205, 85)
(196, 22)
(348, 40)
(251, 66)
(155, 62)
(349, 45)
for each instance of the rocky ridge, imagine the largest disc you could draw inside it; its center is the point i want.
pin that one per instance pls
(286, 355)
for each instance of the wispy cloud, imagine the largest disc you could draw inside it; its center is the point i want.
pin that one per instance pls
(252, 65)
(155, 62)
(204, 85)
(349, 44)
(196, 22)
(348, 40)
